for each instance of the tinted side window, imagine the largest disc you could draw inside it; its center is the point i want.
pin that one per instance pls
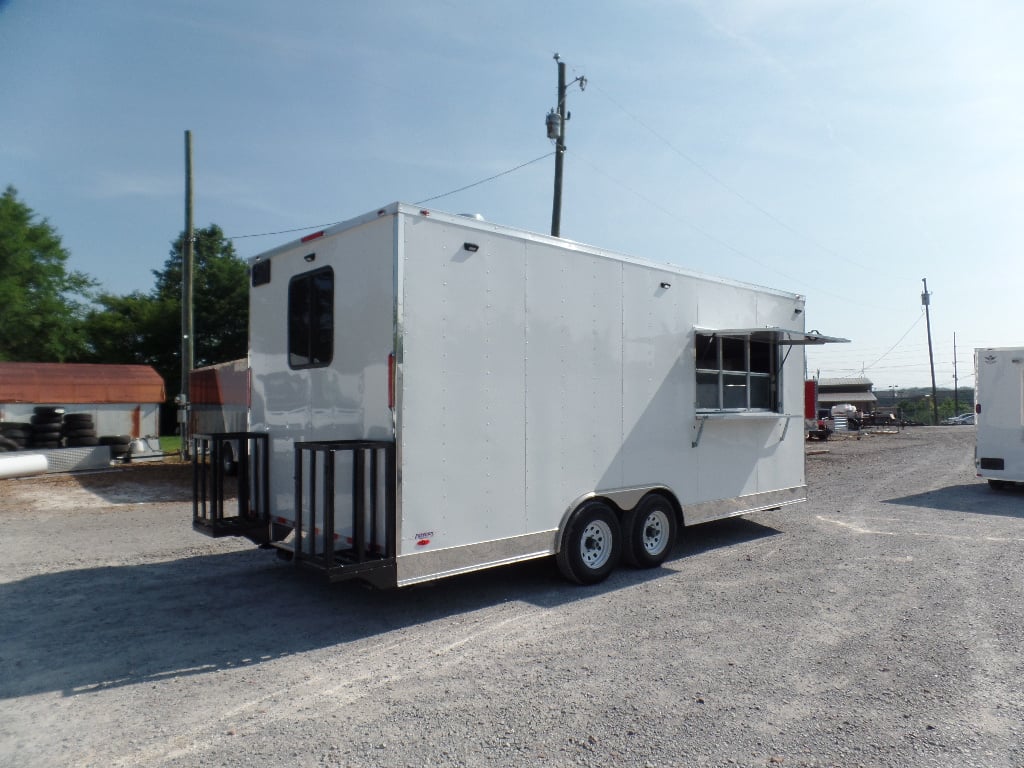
(311, 319)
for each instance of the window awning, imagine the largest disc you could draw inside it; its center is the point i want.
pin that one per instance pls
(775, 334)
(846, 397)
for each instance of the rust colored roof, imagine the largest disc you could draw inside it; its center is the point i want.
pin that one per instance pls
(66, 383)
(221, 384)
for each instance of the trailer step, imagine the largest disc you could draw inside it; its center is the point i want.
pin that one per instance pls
(366, 547)
(210, 487)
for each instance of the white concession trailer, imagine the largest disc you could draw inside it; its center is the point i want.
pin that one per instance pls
(999, 415)
(433, 394)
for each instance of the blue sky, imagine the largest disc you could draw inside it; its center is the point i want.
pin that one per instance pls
(841, 150)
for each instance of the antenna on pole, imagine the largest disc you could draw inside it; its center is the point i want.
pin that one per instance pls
(555, 123)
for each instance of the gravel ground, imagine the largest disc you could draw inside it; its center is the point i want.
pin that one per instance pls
(877, 625)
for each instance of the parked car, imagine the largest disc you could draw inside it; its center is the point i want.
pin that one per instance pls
(963, 418)
(879, 420)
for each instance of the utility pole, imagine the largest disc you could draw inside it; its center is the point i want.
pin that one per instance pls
(926, 301)
(555, 123)
(187, 341)
(956, 384)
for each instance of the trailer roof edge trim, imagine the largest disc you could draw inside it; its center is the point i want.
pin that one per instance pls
(780, 335)
(417, 211)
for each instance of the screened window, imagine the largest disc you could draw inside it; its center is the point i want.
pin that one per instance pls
(311, 319)
(736, 373)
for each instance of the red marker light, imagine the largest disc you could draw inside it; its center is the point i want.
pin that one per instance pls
(422, 542)
(314, 236)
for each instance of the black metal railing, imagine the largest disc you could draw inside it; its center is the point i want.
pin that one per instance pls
(212, 459)
(367, 510)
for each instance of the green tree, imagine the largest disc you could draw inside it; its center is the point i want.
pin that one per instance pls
(146, 328)
(124, 329)
(220, 295)
(42, 303)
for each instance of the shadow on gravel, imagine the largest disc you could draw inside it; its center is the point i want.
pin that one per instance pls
(81, 631)
(133, 483)
(974, 498)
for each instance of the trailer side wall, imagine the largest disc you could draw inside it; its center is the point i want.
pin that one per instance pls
(534, 373)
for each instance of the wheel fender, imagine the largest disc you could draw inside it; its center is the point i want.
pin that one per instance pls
(621, 499)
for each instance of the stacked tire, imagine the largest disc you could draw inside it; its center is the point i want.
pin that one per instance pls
(119, 445)
(14, 436)
(79, 431)
(46, 427)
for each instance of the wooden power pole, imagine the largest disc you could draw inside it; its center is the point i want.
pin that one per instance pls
(556, 130)
(187, 340)
(926, 301)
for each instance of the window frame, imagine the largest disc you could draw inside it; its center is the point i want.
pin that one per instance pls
(312, 333)
(728, 373)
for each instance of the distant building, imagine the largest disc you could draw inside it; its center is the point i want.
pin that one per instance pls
(122, 399)
(856, 392)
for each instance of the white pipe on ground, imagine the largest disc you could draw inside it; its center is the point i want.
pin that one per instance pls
(22, 465)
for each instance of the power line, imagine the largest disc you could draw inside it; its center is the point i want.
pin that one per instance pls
(421, 202)
(719, 241)
(736, 193)
(489, 178)
(912, 326)
(684, 220)
(284, 231)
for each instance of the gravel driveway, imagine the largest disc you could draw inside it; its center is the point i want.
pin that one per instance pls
(879, 624)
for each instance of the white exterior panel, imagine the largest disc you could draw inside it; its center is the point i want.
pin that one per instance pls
(573, 379)
(463, 351)
(347, 399)
(658, 383)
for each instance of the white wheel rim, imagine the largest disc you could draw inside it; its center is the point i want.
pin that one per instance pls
(655, 532)
(596, 544)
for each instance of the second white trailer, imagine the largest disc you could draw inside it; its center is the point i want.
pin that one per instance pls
(433, 394)
(999, 415)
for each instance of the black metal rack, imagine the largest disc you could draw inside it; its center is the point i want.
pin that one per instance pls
(369, 552)
(210, 485)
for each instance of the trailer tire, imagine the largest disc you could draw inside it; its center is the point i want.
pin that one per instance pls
(82, 442)
(76, 419)
(591, 545)
(118, 440)
(228, 462)
(650, 530)
(48, 410)
(118, 451)
(998, 485)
